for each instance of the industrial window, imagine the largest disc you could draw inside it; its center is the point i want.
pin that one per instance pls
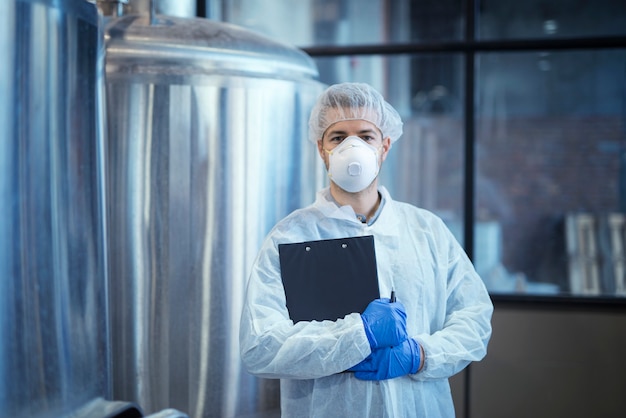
(515, 123)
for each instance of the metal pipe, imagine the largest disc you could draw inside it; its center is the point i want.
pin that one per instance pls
(118, 8)
(112, 8)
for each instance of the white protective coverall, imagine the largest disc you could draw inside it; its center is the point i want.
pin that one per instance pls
(448, 313)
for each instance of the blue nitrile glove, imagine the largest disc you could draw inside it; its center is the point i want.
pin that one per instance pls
(390, 362)
(385, 323)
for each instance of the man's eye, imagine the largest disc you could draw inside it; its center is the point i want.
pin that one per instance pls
(336, 138)
(367, 138)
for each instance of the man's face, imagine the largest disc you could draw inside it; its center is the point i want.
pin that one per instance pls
(365, 130)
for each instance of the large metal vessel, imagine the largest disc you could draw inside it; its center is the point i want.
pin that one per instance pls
(206, 150)
(53, 313)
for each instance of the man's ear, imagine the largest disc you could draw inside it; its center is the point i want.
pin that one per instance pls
(320, 148)
(386, 147)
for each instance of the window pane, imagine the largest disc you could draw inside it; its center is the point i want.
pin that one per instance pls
(349, 22)
(507, 19)
(425, 166)
(551, 167)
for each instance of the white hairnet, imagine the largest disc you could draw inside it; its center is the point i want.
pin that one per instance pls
(349, 101)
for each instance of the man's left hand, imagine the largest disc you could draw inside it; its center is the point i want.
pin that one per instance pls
(389, 362)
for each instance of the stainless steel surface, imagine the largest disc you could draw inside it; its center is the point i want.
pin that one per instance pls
(207, 150)
(53, 313)
(176, 49)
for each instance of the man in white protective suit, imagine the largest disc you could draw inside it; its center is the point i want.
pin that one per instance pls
(395, 358)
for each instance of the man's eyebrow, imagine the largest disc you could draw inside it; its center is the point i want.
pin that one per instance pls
(342, 132)
(336, 132)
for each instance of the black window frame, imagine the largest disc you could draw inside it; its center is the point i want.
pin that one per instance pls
(469, 47)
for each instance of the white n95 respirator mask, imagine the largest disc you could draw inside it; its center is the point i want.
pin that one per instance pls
(353, 164)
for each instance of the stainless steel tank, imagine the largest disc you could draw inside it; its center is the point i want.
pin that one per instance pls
(206, 150)
(53, 312)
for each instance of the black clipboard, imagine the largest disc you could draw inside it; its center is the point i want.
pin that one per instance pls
(328, 279)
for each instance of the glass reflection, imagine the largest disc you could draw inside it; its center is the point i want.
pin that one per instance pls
(549, 135)
(349, 22)
(498, 19)
(550, 172)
